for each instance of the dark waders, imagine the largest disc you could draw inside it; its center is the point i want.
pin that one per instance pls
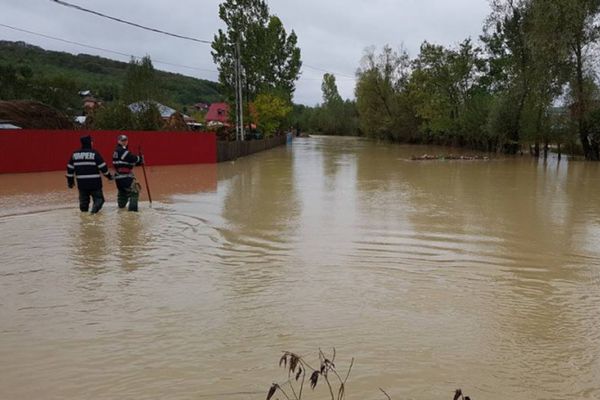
(84, 200)
(131, 195)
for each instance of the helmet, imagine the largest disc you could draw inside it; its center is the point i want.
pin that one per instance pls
(121, 138)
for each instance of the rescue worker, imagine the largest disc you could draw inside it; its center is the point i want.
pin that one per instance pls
(85, 166)
(123, 162)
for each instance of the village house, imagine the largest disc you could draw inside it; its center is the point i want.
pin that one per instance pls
(165, 111)
(218, 115)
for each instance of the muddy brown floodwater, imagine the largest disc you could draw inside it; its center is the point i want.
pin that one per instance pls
(434, 275)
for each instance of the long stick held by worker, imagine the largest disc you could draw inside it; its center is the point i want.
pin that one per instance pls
(146, 178)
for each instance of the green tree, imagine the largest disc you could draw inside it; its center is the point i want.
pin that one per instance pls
(270, 112)
(270, 57)
(330, 90)
(384, 104)
(113, 116)
(335, 116)
(140, 82)
(148, 118)
(510, 56)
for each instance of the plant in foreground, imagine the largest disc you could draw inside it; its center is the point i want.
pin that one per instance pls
(298, 369)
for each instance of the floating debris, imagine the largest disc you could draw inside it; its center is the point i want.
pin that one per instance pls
(429, 157)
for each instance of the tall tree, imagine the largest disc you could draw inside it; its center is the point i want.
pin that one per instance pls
(330, 89)
(269, 57)
(579, 27)
(510, 56)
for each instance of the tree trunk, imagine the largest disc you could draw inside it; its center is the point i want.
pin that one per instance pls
(580, 102)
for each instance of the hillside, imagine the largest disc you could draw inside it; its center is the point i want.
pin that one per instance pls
(101, 75)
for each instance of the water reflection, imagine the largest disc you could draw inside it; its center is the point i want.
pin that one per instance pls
(90, 247)
(132, 242)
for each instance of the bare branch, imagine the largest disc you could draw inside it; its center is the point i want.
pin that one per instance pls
(349, 370)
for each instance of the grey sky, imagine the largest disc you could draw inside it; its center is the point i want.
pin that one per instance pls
(332, 33)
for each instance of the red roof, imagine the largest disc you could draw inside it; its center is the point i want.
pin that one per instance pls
(218, 112)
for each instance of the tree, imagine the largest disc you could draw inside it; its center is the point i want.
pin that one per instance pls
(270, 111)
(510, 56)
(384, 104)
(329, 115)
(451, 99)
(140, 82)
(269, 57)
(330, 90)
(113, 116)
(148, 118)
(578, 24)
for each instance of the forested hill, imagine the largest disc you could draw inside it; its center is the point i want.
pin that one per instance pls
(103, 76)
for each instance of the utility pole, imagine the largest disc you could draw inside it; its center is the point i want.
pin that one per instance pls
(239, 94)
(238, 101)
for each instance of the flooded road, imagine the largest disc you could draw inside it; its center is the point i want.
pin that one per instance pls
(434, 275)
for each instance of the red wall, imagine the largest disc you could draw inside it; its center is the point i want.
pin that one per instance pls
(25, 150)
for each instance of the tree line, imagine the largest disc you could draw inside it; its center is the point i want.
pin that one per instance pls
(528, 84)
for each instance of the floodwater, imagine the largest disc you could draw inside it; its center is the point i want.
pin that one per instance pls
(433, 275)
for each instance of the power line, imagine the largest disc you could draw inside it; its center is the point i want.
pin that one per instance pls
(328, 71)
(102, 49)
(64, 3)
(74, 6)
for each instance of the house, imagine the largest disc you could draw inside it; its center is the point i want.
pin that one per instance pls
(218, 115)
(165, 111)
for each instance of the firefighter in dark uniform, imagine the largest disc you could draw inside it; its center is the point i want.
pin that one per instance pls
(85, 166)
(123, 162)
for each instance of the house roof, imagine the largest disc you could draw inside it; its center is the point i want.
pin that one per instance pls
(165, 111)
(7, 125)
(218, 112)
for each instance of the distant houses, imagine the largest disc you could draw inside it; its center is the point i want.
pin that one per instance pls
(216, 114)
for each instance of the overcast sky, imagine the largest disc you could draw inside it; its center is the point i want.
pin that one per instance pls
(332, 34)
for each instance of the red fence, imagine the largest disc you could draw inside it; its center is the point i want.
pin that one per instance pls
(27, 150)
